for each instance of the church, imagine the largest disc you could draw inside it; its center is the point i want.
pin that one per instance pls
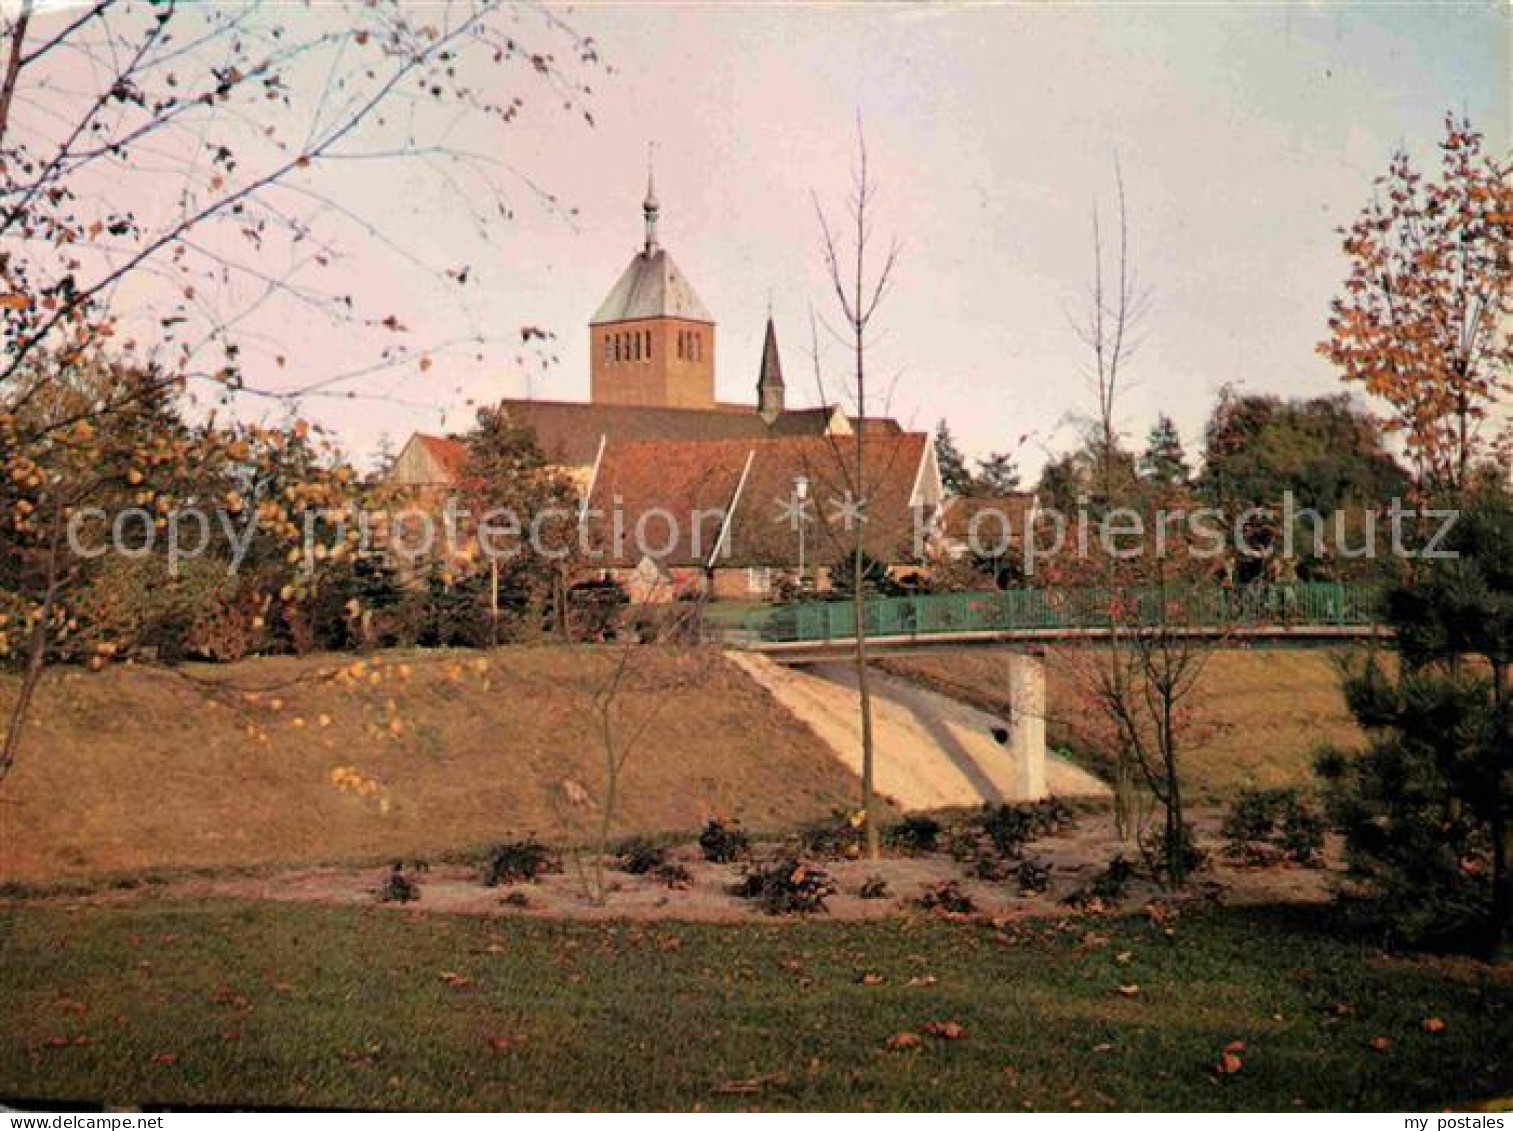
(653, 438)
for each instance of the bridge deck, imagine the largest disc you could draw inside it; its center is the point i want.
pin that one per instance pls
(818, 651)
(1303, 613)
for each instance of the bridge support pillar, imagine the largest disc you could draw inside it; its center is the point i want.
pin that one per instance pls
(1026, 743)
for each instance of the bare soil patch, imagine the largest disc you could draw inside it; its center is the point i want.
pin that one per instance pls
(1074, 857)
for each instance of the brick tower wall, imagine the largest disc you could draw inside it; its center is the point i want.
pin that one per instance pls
(672, 365)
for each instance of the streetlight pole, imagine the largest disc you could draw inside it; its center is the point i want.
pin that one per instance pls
(801, 497)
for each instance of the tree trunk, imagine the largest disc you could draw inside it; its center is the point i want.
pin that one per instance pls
(859, 605)
(37, 660)
(1502, 834)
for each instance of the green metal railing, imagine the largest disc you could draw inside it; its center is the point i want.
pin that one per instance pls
(1302, 605)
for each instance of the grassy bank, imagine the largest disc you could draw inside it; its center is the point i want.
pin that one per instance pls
(258, 1003)
(272, 761)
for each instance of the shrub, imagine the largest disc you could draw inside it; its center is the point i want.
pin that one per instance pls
(596, 609)
(1154, 848)
(1034, 877)
(874, 887)
(520, 861)
(976, 852)
(838, 836)
(1417, 828)
(947, 897)
(1107, 887)
(401, 885)
(786, 885)
(723, 844)
(1264, 824)
(674, 875)
(914, 834)
(1010, 827)
(639, 856)
(1424, 809)
(1302, 836)
(876, 580)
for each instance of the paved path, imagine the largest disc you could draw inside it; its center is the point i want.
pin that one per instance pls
(932, 751)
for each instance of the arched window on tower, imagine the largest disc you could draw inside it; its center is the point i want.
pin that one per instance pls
(648, 344)
(608, 348)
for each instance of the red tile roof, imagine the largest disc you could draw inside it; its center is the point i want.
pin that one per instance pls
(997, 511)
(569, 431)
(448, 451)
(667, 486)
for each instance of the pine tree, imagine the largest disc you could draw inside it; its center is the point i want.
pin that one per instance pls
(953, 465)
(384, 454)
(997, 475)
(1164, 460)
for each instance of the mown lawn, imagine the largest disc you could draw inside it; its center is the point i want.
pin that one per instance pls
(306, 1005)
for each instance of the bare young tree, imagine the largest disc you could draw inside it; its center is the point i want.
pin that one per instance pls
(859, 287)
(1109, 323)
(1143, 698)
(1108, 328)
(652, 660)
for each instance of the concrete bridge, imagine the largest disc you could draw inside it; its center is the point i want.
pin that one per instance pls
(934, 752)
(1025, 619)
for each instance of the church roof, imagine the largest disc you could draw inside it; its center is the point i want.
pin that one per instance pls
(749, 484)
(568, 432)
(651, 287)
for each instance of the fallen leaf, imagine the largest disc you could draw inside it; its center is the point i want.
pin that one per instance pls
(1131, 990)
(871, 978)
(751, 1084)
(945, 1030)
(1434, 1025)
(1381, 1044)
(901, 1041)
(922, 980)
(166, 1059)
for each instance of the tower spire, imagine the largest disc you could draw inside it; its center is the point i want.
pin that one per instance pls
(770, 378)
(649, 206)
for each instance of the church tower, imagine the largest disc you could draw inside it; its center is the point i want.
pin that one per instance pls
(651, 342)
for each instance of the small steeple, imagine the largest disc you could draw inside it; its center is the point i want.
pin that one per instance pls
(770, 383)
(649, 206)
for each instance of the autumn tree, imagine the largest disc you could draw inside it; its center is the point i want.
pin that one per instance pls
(1425, 320)
(1325, 452)
(523, 518)
(165, 181)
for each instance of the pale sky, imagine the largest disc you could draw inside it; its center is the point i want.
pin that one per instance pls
(1246, 135)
